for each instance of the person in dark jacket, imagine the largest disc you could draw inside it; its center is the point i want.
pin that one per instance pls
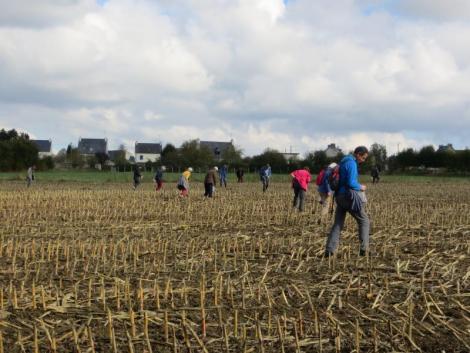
(159, 178)
(325, 192)
(210, 181)
(350, 198)
(137, 177)
(240, 173)
(375, 174)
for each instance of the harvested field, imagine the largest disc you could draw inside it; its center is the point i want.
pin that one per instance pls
(100, 268)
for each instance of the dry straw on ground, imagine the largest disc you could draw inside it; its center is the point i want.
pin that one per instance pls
(101, 268)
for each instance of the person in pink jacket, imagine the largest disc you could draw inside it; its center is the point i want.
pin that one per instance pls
(300, 180)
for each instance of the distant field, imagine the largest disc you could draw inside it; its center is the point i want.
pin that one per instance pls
(126, 177)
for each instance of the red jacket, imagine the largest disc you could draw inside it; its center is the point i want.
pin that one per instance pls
(303, 177)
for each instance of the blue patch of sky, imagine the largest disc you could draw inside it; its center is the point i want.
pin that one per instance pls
(381, 6)
(101, 2)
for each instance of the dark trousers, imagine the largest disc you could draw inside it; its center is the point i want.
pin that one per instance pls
(209, 189)
(159, 184)
(265, 181)
(299, 197)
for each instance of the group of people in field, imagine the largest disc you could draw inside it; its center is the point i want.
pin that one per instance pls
(337, 182)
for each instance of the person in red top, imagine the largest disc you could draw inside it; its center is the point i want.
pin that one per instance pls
(300, 180)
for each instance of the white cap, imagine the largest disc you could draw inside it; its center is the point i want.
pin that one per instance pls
(163, 167)
(332, 165)
(215, 168)
(190, 169)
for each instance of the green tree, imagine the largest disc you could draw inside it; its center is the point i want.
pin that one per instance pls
(427, 156)
(378, 155)
(272, 157)
(232, 156)
(191, 154)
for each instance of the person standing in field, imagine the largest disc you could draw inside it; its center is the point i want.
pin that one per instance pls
(350, 198)
(375, 174)
(210, 181)
(137, 177)
(300, 180)
(30, 177)
(240, 173)
(324, 190)
(265, 175)
(183, 182)
(223, 175)
(159, 178)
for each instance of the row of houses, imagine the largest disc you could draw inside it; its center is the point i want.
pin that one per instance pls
(143, 151)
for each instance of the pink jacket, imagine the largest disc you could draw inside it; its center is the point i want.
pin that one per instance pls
(303, 178)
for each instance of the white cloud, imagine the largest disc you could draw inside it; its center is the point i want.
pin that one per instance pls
(267, 74)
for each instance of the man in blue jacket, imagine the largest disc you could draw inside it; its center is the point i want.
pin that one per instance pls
(265, 175)
(223, 171)
(350, 198)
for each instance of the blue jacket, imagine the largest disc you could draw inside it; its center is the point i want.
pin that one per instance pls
(324, 187)
(348, 175)
(265, 172)
(223, 172)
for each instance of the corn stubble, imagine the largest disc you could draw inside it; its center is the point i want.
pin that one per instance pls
(104, 269)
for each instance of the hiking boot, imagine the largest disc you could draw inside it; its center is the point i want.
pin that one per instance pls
(364, 253)
(327, 254)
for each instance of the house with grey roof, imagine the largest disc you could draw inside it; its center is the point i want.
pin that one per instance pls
(217, 147)
(147, 152)
(44, 147)
(332, 151)
(92, 146)
(446, 148)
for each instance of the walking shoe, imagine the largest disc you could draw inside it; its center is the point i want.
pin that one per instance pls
(364, 252)
(327, 254)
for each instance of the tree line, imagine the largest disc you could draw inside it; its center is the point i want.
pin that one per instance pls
(18, 152)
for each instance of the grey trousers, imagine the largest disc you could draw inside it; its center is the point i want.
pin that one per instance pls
(343, 206)
(265, 181)
(299, 197)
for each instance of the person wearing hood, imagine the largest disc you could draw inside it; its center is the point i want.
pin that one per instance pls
(300, 180)
(325, 192)
(350, 198)
(210, 181)
(183, 182)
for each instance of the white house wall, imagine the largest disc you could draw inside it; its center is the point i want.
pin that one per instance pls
(146, 157)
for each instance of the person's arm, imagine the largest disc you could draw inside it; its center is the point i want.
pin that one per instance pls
(353, 183)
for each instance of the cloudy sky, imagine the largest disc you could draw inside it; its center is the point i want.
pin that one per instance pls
(267, 73)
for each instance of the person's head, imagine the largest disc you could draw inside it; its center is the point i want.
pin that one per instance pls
(307, 169)
(361, 153)
(163, 168)
(216, 168)
(190, 169)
